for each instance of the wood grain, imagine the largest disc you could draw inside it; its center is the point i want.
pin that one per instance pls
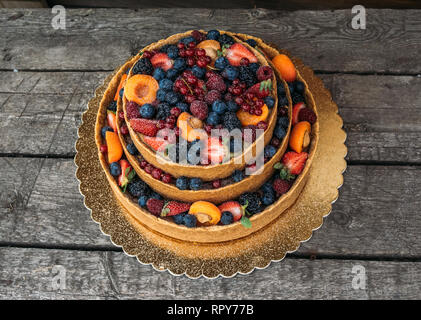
(41, 111)
(102, 39)
(376, 214)
(29, 274)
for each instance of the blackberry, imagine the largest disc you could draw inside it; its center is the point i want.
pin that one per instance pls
(297, 97)
(143, 66)
(251, 42)
(112, 106)
(281, 90)
(231, 121)
(225, 39)
(232, 106)
(138, 188)
(283, 122)
(246, 75)
(163, 111)
(253, 201)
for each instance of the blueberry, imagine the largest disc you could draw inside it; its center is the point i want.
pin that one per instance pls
(269, 151)
(232, 106)
(213, 119)
(282, 101)
(254, 66)
(179, 218)
(121, 92)
(221, 63)
(160, 94)
(195, 183)
(115, 169)
(159, 74)
(279, 132)
(213, 35)
(291, 87)
(142, 201)
(230, 72)
(165, 84)
(147, 111)
(172, 74)
(227, 217)
(281, 89)
(299, 86)
(269, 102)
(237, 176)
(181, 183)
(268, 198)
(187, 40)
(267, 187)
(156, 195)
(112, 106)
(219, 107)
(105, 129)
(179, 64)
(184, 107)
(190, 220)
(132, 149)
(198, 72)
(252, 42)
(172, 52)
(171, 97)
(283, 122)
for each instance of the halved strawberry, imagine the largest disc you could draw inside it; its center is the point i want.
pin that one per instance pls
(295, 161)
(296, 111)
(261, 89)
(172, 208)
(161, 60)
(234, 207)
(156, 143)
(215, 151)
(236, 52)
(111, 119)
(144, 126)
(127, 174)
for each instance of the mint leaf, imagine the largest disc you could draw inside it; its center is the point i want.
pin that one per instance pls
(278, 165)
(246, 222)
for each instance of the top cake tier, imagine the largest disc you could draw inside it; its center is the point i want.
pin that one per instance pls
(193, 88)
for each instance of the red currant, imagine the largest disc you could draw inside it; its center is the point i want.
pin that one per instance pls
(149, 168)
(191, 45)
(275, 142)
(121, 115)
(258, 112)
(166, 178)
(190, 52)
(103, 148)
(216, 184)
(124, 130)
(143, 164)
(160, 124)
(175, 111)
(244, 62)
(156, 173)
(262, 125)
(180, 45)
(191, 61)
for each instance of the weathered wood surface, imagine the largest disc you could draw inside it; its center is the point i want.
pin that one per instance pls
(48, 106)
(29, 273)
(375, 215)
(98, 39)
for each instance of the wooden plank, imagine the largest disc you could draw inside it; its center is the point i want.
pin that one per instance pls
(41, 111)
(376, 214)
(101, 39)
(33, 274)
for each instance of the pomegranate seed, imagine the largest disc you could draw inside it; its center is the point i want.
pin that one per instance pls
(239, 100)
(103, 148)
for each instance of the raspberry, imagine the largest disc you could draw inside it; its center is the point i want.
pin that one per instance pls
(307, 114)
(212, 96)
(155, 206)
(281, 186)
(216, 83)
(199, 109)
(264, 73)
(132, 109)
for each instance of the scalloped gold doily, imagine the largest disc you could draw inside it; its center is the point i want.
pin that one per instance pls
(259, 249)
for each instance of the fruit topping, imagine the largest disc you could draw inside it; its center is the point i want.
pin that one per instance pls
(251, 119)
(120, 86)
(281, 186)
(236, 52)
(147, 111)
(190, 127)
(211, 48)
(251, 201)
(115, 169)
(206, 212)
(144, 126)
(132, 110)
(295, 161)
(285, 66)
(296, 111)
(161, 60)
(156, 143)
(230, 121)
(132, 148)
(182, 183)
(137, 188)
(155, 206)
(234, 207)
(127, 174)
(104, 130)
(300, 136)
(143, 66)
(111, 119)
(115, 150)
(141, 89)
(190, 221)
(264, 73)
(172, 208)
(226, 218)
(199, 109)
(195, 183)
(307, 114)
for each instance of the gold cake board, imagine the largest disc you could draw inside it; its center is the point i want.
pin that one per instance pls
(227, 259)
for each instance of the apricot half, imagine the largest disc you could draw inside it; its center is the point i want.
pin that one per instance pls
(211, 47)
(300, 136)
(206, 212)
(285, 66)
(247, 119)
(115, 150)
(141, 88)
(190, 127)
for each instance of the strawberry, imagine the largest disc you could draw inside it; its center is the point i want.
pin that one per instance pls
(234, 207)
(127, 174)
(161, 60)
(215, 151)
(111, 119)
(172, 208)
(236, 52)
(155, 206)
(295, 161)
(261, 89)
(144, 126)
(156, 143)
(296, 111)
